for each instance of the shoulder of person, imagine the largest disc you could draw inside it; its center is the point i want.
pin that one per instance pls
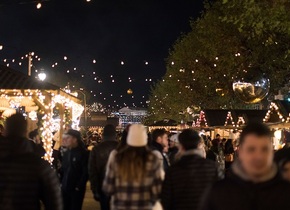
(158, 154)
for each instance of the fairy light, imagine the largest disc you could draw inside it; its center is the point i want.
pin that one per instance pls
(273, 107)
(229, 117)
(38, 5)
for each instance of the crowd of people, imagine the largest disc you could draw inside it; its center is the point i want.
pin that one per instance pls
(144, 171)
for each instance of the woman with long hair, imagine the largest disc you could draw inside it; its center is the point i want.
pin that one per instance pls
(134, 174)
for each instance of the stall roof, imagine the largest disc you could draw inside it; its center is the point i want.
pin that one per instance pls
(165, 122)
(12, 79)
(217, 117)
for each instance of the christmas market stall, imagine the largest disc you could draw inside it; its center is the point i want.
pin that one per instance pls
(278, 119)
(167, 124)
(46, 107)
(227, 123)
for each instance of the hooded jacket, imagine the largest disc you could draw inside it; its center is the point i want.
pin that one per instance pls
(26, 179)
(239, 193)
(187, 180)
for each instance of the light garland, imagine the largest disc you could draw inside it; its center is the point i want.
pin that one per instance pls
(229, 117)
(47, 136)
(201, 120)
(273, 107)
(241, 121)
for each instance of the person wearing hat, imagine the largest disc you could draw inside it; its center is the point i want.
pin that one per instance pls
(74, 171)
(173, 148)
(97, 164)
(134, 175)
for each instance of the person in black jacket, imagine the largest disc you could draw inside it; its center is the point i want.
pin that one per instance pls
(25, 178)
(97, 165)
(159, 142)
(187, 180)
(74, 171)
(254, 183)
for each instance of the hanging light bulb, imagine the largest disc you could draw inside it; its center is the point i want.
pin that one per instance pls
(38, 6)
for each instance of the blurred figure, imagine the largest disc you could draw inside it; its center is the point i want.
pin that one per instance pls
(187, 180)
(134, 175)
(74, 171)
(285, 168)
(97, 164)
(123, 141)
(173, 148)
(2, 131)
(34, 136)
(255, 182)
(229, 153)
(25, 179)
(159, 142)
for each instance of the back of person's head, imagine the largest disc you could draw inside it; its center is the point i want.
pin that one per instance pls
(33, 134)
(16, 125)
(189, 139)
(158, 133)
(136, 150)
(217, 136)
(257, 129)
(109, 131)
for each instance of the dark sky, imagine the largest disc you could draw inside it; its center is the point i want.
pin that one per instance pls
(109, 31)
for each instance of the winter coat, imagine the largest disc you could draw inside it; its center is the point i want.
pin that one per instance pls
(26, 179)
(237, 192)
(158, 150)
(186, 182)
(74, 169)
(98, 160)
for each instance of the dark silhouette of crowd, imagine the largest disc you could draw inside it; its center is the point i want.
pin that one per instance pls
(144, 171)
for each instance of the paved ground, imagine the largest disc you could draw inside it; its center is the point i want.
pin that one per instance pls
(89, 202)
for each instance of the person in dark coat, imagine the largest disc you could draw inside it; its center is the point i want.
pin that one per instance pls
(34, 136)
(159, 142)
(173, 148)
(255, 182)
(187, 180)
(25, 179)
(97, 165)
(74, 171)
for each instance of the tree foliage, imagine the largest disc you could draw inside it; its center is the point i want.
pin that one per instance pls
(228, 37)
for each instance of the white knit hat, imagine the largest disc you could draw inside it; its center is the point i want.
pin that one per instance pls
(137, 136)
(174, 138)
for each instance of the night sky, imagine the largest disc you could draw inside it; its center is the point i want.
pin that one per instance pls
(107, 31)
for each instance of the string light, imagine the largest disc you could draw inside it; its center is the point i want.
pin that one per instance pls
(229, 117)
(38, 5)
(273, 107)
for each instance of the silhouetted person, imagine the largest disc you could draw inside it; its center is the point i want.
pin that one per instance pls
(25, 179)
(187, 180)
(97, 164)
(74, 171)
(254, 182)
(34, 136)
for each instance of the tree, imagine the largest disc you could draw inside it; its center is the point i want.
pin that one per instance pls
(228, 38)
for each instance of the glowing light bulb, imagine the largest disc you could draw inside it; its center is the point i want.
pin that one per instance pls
(1, 47)
(38, 6)
(122, 63)
(65, 58)
(94, 61)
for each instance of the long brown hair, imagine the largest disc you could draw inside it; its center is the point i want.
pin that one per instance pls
(131, 163)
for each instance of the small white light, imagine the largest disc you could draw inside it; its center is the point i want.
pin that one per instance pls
(94, 61)
(122, 63)
(38, 6)
(42, 76)
(65, 58)
(1, 47)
